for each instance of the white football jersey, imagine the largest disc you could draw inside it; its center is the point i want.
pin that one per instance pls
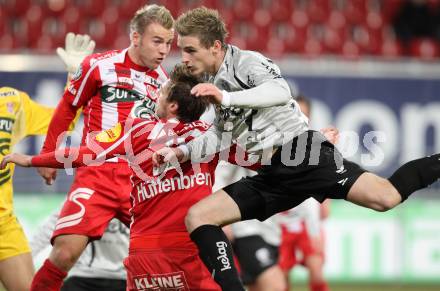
(255, 127)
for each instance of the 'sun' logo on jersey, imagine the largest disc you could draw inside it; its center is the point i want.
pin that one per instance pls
(116, 95)
(144, 109)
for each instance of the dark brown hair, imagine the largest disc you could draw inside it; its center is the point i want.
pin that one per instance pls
(190, 107)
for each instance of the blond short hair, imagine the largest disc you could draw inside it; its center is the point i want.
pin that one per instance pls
(204, 23)
(151, 14)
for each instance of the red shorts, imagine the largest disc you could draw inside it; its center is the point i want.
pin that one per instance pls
(98, 194)
(291, 242)
(177, 268)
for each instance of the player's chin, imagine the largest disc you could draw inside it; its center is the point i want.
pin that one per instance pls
(195, 71)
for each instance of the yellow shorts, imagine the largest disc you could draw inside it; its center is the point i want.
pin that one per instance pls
(13, 241)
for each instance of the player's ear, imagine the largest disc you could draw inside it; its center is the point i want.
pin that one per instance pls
(173, 108)
(135, 38)
(217, 46)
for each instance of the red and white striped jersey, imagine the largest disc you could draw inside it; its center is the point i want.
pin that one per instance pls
(109, 87)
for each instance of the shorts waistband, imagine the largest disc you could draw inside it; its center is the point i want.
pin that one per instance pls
(175, 240)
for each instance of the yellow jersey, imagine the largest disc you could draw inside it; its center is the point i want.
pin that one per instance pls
(19, 117)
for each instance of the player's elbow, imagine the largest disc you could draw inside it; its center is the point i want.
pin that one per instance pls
(281, 92)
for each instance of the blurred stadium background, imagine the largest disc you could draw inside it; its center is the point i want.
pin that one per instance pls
(371, 68)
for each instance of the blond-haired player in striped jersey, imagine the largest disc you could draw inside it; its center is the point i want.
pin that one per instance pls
(109, 86)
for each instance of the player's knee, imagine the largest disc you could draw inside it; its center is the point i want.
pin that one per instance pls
(271, 285)
(385, 202)
(63, 255)
(391, 198)
(193, 218)
(63, 258)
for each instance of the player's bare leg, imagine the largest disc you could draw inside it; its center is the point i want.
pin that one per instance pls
(271, 279)
(203, 222)
(65, 252)
(382, 194)
(16, 272)
(314, 263)
(67, 249)
(374, 192)
(217, 209)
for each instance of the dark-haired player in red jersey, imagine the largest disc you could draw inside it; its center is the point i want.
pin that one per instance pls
(109, 87)
(161, 256)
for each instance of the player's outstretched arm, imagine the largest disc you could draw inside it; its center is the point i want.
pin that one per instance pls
(270, 93)
(16, 158)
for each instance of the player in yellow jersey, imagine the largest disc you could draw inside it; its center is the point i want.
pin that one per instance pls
(21, 117)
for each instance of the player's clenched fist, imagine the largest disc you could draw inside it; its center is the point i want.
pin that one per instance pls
(167, 155)
(208, 90)
(331, 133)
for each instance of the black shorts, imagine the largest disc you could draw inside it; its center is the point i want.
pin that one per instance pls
(308, 166)
(255, 256)
(91, 284)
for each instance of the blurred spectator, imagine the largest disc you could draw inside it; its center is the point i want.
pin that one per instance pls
(415, 19)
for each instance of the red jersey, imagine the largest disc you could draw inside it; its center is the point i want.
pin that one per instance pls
(160, 197)
(109, 86)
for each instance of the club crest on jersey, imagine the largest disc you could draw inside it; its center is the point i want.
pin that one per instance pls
(10, 107)
(113, 95)
(151, 92)
(110, 135)
(153, 82)
(174, 281)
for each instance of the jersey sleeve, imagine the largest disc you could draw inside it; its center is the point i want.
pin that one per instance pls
(253, 69)
(204, 147)
(261, 78)
(105, 145)
(123, 141)
(83, 84)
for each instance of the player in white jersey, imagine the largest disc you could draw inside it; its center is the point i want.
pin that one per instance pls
(100, 266)
(255, 110)
(301, 244)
